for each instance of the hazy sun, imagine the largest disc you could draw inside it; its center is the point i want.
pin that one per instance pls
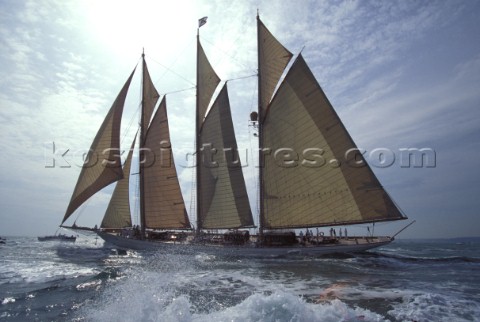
(161, 27)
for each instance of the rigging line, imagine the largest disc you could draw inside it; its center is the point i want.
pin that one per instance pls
(82, 209)
(171, 70)
(242, 77)
(132, 119)
(193, 194)
(226, 53)
(180, 90)
(177, 57)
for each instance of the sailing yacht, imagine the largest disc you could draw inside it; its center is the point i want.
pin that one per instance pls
(302, 183)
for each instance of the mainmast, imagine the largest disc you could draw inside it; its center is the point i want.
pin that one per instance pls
(260, 137)
(140, 152)
(197, 139)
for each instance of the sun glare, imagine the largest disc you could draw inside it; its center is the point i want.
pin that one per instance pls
(128, 26)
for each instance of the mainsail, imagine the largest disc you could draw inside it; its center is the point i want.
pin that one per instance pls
(103, 164)
(307, 182)
(118, 210)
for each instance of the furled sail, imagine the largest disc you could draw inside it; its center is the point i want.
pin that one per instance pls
(207, 82)
(307, 180)
(272, 60)
(103, 165)
(223, 197)
(118, 210)
(164, 205)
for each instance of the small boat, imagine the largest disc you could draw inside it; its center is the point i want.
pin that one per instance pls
(2, 240)
(294, 116)
(60, 237)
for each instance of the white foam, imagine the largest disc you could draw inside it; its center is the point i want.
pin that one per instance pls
(45, 262)
(8, 300)
(187, 289)
(49, 271)
(89, 285)
(202, 288)
(279, 306)
(436, 307)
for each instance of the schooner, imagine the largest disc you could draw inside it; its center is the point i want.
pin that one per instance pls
(298, 131)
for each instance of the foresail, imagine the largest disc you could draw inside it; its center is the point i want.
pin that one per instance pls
(118, 210)
(103, 164)
(223, 195)
(207, 82)
(273, 58)
(164, 205)
(310, 178)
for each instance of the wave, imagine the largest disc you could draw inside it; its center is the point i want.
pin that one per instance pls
(278, 306)
(420, 259)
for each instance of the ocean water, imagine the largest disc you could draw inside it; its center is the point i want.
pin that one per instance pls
(408, 280)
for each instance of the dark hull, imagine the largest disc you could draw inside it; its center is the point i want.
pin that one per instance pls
(346, 245)
(59, 238)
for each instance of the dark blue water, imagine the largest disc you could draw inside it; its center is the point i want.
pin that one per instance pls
(409, 280)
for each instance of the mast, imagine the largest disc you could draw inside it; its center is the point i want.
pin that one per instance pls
(197, 139)
(260, 137)
(141, 154)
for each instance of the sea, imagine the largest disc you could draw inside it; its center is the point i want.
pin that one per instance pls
(408, 280)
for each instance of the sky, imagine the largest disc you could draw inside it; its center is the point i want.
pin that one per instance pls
(401, 75)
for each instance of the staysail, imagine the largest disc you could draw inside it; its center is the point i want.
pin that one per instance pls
(307, 179)
(163, 200)
(103, 164)
(224, 199)
(118, 210)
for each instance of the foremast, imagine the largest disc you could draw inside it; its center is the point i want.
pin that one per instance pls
(161, 200)
(150, 98)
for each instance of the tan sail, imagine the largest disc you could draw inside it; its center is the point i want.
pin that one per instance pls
(207, 82)
(118, 210)
(307, 179)
(150, 96)
(103, 165)
(273, 58)
(224, 199)
(164, 205)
